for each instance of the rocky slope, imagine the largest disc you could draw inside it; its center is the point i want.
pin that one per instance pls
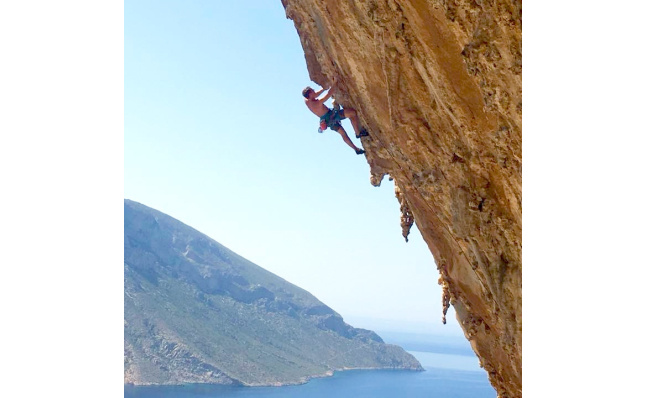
(195, 312)
(438, 85)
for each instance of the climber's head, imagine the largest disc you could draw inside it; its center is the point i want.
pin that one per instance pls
(307, 91)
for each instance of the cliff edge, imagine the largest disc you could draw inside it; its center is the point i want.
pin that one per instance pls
(438, 85)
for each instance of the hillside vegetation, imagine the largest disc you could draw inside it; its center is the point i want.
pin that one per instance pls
(195, 312)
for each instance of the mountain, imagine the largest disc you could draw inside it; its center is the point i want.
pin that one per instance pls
(196, 312)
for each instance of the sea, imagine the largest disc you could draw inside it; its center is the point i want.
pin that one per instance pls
(451, 370)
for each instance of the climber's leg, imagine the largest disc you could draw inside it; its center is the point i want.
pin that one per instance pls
(339, 129)
(354, 119)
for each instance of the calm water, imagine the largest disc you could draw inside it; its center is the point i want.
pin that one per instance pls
(446, 375)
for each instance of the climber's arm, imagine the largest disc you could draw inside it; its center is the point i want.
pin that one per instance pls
(328, 94)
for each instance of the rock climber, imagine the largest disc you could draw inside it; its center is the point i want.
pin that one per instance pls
(332, 117)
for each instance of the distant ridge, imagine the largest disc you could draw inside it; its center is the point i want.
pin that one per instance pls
(196, 312)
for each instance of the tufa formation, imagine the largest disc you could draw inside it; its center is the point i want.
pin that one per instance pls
(437, 83)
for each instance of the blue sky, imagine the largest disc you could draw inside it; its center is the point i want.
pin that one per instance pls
(217, 136)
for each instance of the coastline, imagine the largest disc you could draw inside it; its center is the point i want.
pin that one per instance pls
(304, 380)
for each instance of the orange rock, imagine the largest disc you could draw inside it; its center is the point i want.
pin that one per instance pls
(438, 86)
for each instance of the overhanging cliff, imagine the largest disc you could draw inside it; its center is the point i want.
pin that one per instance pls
(438, 85)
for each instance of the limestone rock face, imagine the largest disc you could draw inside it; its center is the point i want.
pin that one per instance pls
(437, 83)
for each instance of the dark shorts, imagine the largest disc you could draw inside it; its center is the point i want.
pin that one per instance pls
(333, 118)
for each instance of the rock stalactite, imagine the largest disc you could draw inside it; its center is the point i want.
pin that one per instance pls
(446, 298)
(406, 218)
(438, 85)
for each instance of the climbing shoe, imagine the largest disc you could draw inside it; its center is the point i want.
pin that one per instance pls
(360, 151)
(363, 133)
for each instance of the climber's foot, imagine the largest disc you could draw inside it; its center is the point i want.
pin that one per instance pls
(360, 151)
(363, 133)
